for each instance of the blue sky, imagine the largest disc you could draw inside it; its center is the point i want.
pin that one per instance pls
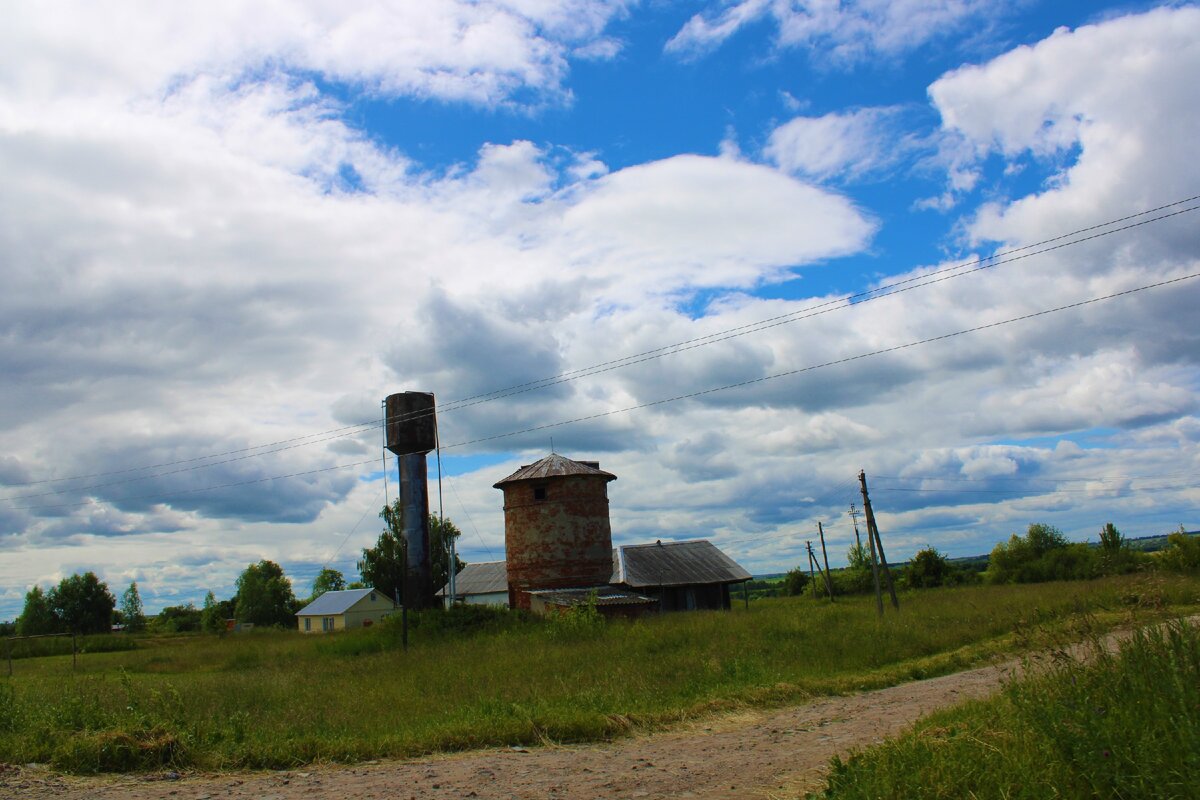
(226, 227)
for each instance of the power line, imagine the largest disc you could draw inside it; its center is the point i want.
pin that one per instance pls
(835, 362)
(908, 284)
(703, 392)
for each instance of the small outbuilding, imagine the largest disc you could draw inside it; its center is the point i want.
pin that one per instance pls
(344, 610)
(679, 576)
(482, 584)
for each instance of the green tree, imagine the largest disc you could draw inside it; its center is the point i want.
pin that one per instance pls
(1042, 554)
(382, 566)
(83, 604)
(131, 609)
(1111, 540)
(928, 569)
(794, 582)
(212, 616)
(1182, 553)
(327, 580)
(177, 619)
(264, 595)
(38, 616)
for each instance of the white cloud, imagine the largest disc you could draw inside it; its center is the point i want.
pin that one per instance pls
(841, 32)
(849, 143)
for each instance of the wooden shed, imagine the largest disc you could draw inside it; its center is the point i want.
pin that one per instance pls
(680, 576)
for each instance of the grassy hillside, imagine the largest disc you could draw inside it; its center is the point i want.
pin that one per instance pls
(282, 699)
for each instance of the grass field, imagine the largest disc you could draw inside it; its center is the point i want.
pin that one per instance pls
(281, 699)
(1095, 724)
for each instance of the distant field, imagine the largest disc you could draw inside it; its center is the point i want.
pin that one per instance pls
(281, 699)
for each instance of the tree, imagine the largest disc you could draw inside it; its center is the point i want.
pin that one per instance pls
(928, 569)
(794, 582)
(264, 595)
(131, 609)
(38, 616)
(213, 614)
(382, 567)
(177, 619)
(83, 604)
(1111, 540)
(327, 580)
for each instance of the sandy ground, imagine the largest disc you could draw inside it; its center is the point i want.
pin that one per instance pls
(761, 754)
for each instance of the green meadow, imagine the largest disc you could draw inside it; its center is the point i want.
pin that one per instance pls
(477, 678)
(1097, 724)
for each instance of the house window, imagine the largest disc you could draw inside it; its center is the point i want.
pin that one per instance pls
(539, 493)
(372, 597)
(308, 623)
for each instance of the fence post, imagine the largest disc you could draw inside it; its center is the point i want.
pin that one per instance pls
(74, 650)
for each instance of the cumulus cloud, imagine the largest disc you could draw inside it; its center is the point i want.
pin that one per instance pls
(203, 254)
(844, 32)
(850, 143)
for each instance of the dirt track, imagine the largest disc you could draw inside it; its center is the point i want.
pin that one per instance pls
(755, 754)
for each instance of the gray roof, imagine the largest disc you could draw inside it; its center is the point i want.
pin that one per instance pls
(605, 596)
(555, 466)
(674, 564)
(488, 577)
(335, 602)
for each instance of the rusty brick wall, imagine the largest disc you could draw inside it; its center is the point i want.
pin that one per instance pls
(561, 542)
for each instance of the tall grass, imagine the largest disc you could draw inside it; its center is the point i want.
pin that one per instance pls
(1123, 725)
(281, 699)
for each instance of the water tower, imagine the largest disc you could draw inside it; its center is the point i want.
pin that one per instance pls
(556, 528)
(411, 424)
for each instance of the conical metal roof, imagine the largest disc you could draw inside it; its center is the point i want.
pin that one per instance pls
(554, 466)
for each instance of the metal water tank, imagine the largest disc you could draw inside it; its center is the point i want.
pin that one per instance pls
(411, 422)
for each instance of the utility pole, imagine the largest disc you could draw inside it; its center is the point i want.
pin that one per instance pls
(813, 577)
(874, 558)
(876, 542)
(825, 555)
(854, 515)
(812, 559)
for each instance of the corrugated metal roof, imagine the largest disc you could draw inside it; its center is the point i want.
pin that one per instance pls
(487, 577)
(674, 564)
(335, 602)
(554, 466)
(605, 596)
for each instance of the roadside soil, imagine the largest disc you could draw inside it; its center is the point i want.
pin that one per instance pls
(756, 754)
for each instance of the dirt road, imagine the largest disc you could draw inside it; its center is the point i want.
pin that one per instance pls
(756, 754)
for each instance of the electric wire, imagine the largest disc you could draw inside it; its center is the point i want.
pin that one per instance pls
(937, 276)
(699, 393)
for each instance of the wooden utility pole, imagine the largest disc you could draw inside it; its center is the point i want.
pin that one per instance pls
(812, 559)
(812, 575)
(825, 556)
(876, 542)
(854, 514)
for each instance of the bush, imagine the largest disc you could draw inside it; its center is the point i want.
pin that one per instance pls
(795, 582)
(1182, 553)
(1042, 554)
(928, 569)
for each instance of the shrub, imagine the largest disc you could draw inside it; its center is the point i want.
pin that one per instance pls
(1042, 554)
(1182, 553)
(928, 569)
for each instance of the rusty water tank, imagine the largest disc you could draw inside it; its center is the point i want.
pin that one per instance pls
(411, 422)
(556, 529)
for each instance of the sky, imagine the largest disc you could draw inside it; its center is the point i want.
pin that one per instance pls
(735, 250)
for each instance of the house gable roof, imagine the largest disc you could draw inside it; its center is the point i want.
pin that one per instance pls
(674, 564)
(336, 602)
(554, 466)
(488, 577)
